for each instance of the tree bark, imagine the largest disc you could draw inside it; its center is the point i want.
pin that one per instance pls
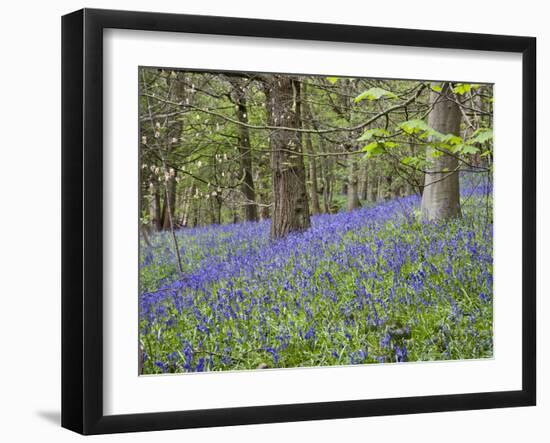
(154, 208)
(168, 211)
(290, 203)
(353, 184)
(247, 187)
(364, 184)
(315, 208)
(372, 188)
(441, 196)
(186, 205)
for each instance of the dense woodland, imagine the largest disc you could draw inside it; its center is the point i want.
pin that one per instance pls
(291, 220)
(229, 147)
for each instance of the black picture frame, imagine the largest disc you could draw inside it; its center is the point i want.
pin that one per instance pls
(82, 218)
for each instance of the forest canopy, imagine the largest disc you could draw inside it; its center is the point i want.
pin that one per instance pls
(226, 147)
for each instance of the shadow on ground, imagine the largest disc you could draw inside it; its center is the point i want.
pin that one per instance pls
(53, 417)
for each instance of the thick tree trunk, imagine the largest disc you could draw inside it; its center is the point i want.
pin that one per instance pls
(290, 204)
(441, 196)
(247, 187)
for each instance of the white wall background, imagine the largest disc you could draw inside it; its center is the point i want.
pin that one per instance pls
(30, 221)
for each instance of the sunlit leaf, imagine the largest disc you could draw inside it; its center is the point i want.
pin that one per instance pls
(375, 132)
(374, 94)
(374, 148)
(469, 149)
(481, 135)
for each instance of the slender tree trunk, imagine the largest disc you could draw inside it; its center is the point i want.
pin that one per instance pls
(168, 212)
(326, 180)
(364, 188)
(372, 188)
(186, 205)
(145, 235)
(154, 209)
(312, 161)
(315, 208)
(353, 183)
(380, 189)
(263, 192)
(441, 196)
(290, 203)
(247, 187)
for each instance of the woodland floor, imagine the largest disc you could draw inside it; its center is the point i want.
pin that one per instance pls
(374, 285)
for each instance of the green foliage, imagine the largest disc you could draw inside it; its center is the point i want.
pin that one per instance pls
(374, 148)
(411, 160)
(374, 94)
(415, 126)
(378, 147)
(482, 135)
(463, 88)
(332, 80)
(375, 132)
(468, 149)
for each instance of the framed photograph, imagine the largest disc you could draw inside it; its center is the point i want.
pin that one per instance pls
(269, 221)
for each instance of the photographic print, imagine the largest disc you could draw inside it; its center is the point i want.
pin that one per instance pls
(306, 221)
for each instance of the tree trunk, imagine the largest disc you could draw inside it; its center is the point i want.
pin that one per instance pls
(247, 186)
(315, 208)
(353, 183)
(372, 188)
(290, 204)
(186, 205)
(312, 161)
(364, 188)
(263, 191)
(169, 200)
(154, 209)
(441, 196)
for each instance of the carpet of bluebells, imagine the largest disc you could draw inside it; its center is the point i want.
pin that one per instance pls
(374, 285)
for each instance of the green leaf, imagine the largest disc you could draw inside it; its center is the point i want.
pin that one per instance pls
(332, 80)
(414, 126)
(436, 88)
(374, 94)
(469, 149)
(463, 88)
(481, 135)
(452, 139)
(374, 148)
(370, 133)
(412, 161)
